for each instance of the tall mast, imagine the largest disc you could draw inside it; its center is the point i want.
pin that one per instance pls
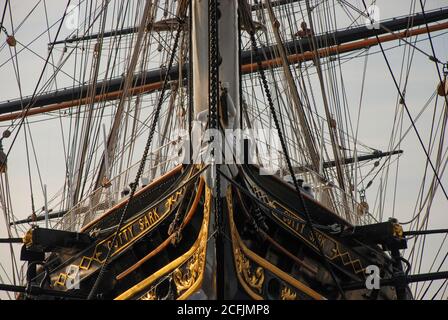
(229, 71)
(228, 51)
(199, 56)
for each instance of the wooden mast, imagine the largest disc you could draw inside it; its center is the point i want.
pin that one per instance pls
(326, 40)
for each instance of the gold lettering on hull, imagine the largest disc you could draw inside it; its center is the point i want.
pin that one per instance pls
(128, 234)
(332, 249)
(251, 269)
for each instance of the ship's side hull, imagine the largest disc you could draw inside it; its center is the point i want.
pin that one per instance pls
(167, 248)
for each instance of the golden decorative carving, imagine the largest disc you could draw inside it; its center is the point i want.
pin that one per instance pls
(185, 277)
(346, 260)
(186, 271)
(253, 278)
(288, 294)
(127, 235)
(324, 240)
(150, 295)
(250, 279)
(61, 279)
(398, 230)
(188, 277)
(28, 238)
(169, 203)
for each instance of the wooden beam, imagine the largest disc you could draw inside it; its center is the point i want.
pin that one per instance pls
(246, 68)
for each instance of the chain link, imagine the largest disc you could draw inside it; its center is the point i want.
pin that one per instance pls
(249, 23)
(214, 97)
(2, 27)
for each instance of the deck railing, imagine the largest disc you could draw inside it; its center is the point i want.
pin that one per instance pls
(111, 193)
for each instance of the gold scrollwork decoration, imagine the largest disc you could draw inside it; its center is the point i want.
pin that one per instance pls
(128, 234)
(186, 271)
(189, 275)
(185, 277)
(253, 278)
(150, 295)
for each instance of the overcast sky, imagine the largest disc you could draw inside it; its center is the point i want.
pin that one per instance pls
(375, 123)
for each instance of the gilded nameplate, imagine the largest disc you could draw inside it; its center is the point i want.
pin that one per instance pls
(128, 234)
(88, 263)
(333, 250)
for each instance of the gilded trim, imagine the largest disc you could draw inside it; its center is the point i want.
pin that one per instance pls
(240, 248)
(28, 238)
(186, 271)
(122, 203)
(129, 234)
(299, 230)
(168, 240)
(287, 294)
(254, 278)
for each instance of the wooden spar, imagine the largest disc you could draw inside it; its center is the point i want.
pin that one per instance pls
(294, 46)
(166, 25)
(98, 98)
(246, 68)
(324, 52)
(148, 17)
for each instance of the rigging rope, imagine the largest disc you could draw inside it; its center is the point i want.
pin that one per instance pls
(432, 58)
(409, 115)
(3, 16)
(27, 108)
(249, 23)
(104, 266)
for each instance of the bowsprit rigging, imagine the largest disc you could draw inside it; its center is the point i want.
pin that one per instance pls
(207, 149)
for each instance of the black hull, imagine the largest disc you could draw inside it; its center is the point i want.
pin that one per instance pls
(168, 247)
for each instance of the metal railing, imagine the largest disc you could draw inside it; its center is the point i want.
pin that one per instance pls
(337, 200)
(111, 193)
(331, 196)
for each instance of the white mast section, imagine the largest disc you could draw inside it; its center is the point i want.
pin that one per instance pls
(229, 71)
(228, 48)
(200, 57)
